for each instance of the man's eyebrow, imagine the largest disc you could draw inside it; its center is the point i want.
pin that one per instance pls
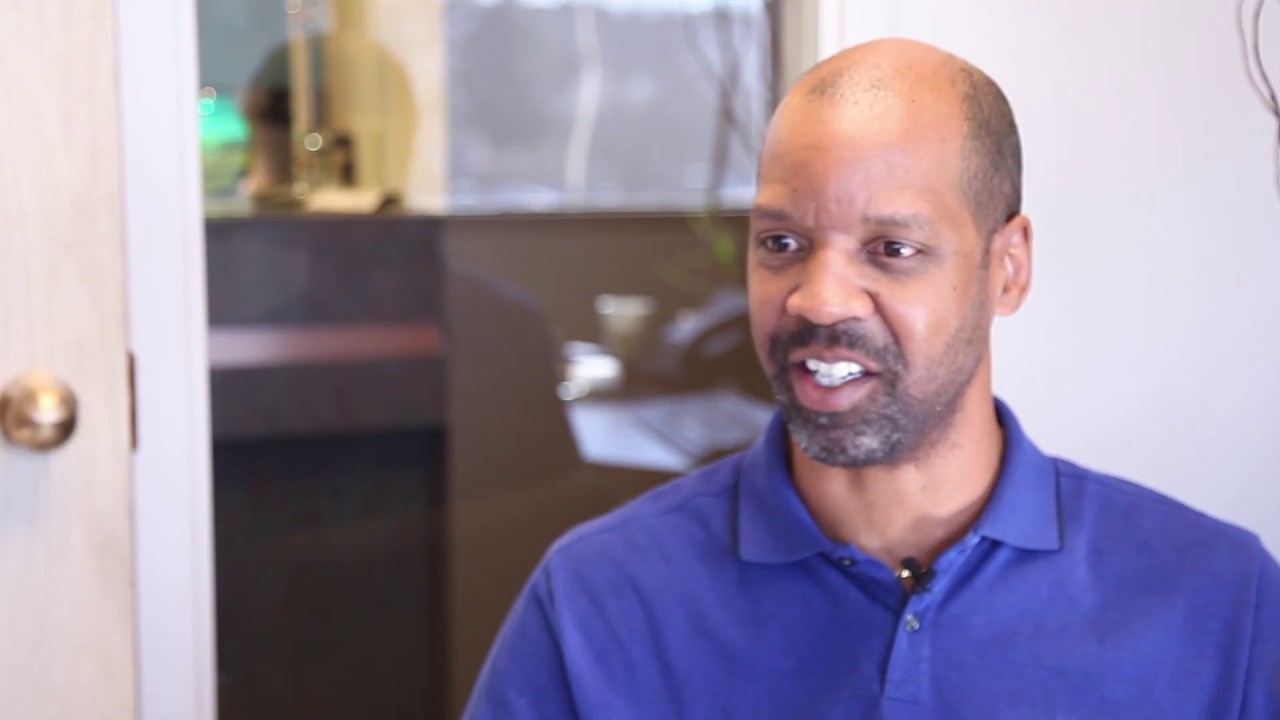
(901, 220)
(772, 214)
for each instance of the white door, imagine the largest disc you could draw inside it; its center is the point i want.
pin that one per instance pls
(67, 647)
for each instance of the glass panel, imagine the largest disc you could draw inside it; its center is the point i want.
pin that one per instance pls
(656, 375)
(537, 105)
(604, 105)
(329, 465)
(451, 318)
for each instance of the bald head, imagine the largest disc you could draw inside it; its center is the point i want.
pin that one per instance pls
(885, 72)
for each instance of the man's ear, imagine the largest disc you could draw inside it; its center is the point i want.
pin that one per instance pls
(1011, 265)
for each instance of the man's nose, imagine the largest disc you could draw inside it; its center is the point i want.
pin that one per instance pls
(831, 289)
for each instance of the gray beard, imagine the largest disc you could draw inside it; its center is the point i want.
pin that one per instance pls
(893, 425)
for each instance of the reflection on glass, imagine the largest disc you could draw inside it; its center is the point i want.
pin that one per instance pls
(433, 350)
(604, 105)
(657, 374)
(518, 106)
(224, 143)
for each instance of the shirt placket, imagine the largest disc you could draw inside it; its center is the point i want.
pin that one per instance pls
(909, 676)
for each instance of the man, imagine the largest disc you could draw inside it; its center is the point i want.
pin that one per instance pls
(894, 546)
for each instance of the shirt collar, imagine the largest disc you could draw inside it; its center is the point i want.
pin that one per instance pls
(775, 526)
(1023, 509)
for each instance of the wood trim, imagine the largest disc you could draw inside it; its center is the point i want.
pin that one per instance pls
(259, 346)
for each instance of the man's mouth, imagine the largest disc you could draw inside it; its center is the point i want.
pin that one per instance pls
(833, 374)
(827, 379)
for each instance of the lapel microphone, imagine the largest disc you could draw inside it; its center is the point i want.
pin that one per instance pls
(919, 575)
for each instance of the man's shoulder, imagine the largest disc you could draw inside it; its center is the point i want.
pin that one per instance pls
(1125, 513)
(697, 507)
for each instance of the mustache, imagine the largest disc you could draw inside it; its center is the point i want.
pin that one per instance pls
(847, 335)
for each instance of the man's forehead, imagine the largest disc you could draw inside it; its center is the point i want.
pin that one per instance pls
(846, 161)
(814, 149)
(890, 91)
(913, 117)
(888, 184)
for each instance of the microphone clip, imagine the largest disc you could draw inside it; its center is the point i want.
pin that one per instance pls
(919, 575)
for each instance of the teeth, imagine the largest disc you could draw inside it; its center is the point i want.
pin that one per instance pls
(833, 374)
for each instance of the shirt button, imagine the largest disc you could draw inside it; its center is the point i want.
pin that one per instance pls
(912, 624)
(846, 561)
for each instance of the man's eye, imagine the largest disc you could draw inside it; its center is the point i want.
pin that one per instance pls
(897, 249)
(779, 244)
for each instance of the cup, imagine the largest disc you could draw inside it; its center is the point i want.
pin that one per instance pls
(625, 323)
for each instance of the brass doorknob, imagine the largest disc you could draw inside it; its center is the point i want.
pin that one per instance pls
(37, 412)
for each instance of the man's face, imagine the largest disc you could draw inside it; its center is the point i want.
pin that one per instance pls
(868, 280)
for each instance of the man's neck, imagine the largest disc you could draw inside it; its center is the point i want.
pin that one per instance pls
(916, 509)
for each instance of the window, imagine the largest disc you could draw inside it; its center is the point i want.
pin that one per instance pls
(484, 106)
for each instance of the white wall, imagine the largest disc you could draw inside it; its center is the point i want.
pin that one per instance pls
(1149, 347)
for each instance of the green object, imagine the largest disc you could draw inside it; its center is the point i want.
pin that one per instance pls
(224, 145)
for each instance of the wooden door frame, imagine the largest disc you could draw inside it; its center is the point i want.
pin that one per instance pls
(158, 85)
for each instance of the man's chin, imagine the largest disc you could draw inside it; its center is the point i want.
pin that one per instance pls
(840, 439)
(852, 419)
(828, 451)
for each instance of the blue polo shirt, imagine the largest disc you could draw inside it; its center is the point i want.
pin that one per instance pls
(1076, 595)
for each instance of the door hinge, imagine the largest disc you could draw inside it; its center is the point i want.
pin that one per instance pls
(133, 403)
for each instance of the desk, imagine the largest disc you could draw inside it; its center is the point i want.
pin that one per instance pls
(666, 433)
